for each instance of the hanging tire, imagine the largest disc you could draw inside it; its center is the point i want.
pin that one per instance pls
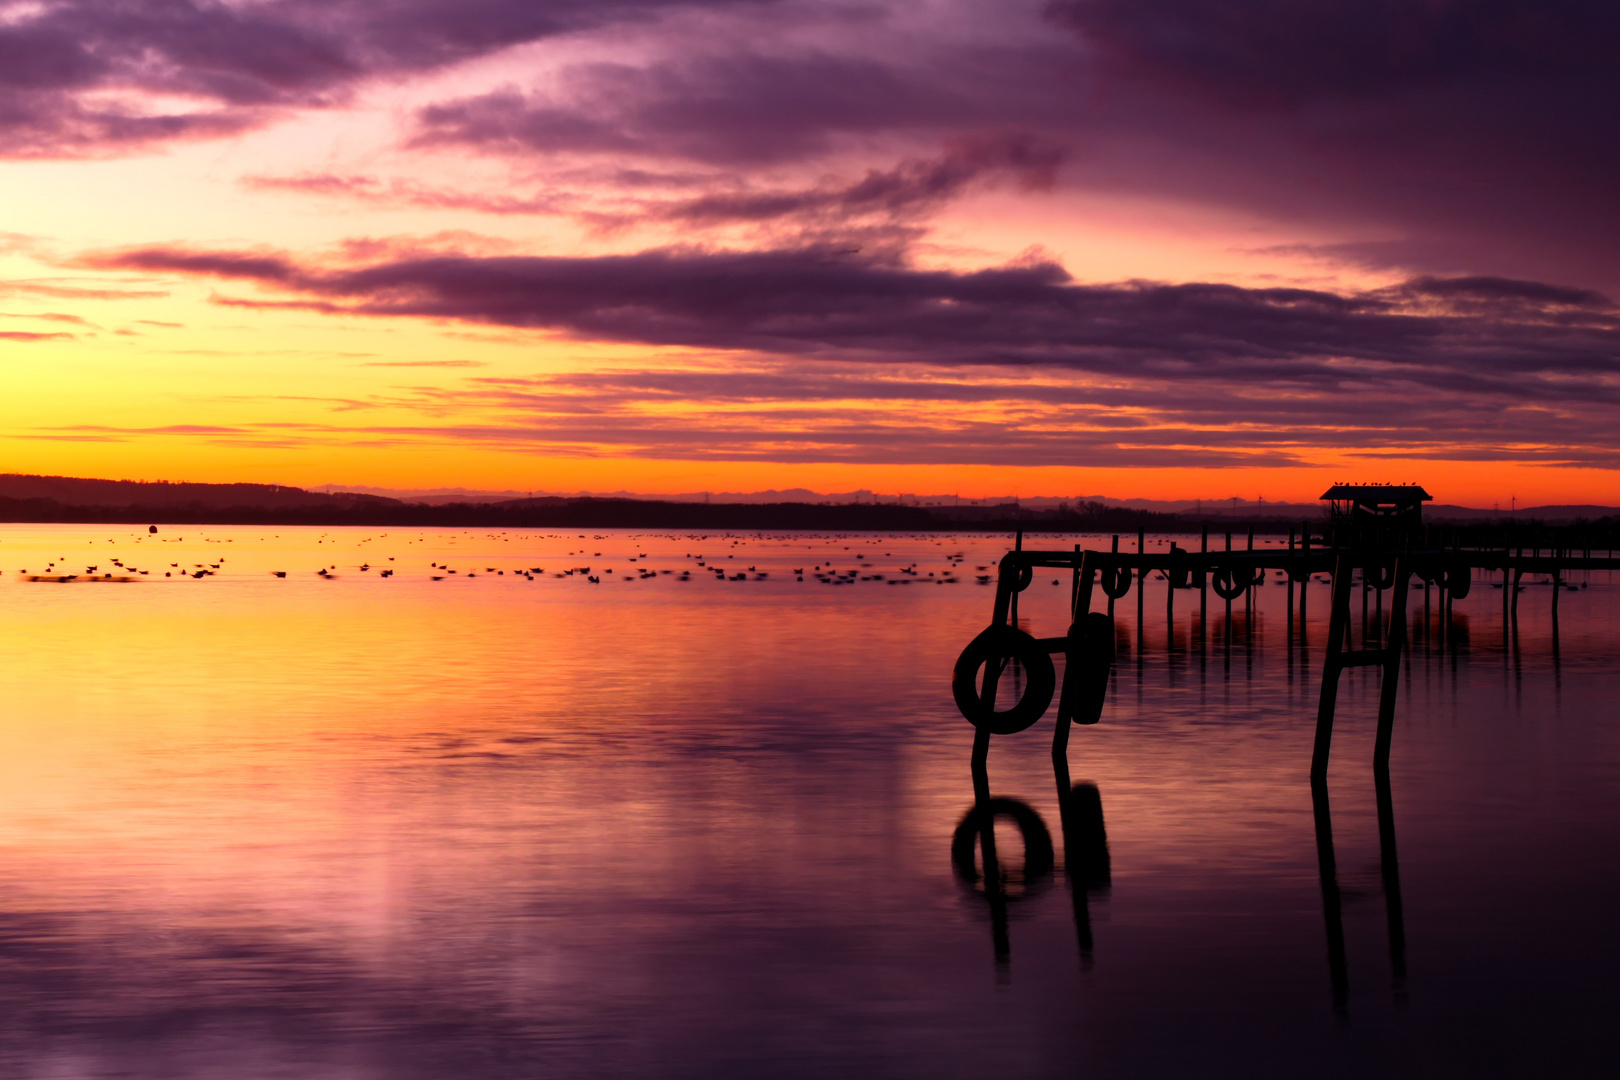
(1115, 582)
(994, 646)
(1458, 580)
(1379, 577)
(1230, 584)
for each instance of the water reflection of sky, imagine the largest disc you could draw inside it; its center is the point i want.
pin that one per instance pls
(259, 826)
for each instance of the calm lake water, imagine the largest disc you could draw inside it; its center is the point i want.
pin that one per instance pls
(518, 825)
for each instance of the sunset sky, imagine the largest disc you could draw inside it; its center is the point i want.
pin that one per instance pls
(1160, 248)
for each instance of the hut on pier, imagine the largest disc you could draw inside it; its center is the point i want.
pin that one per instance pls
(1375, 515)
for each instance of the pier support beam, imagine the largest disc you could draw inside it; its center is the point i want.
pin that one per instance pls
(1332, 665)
(1394, 645)
(1338, 658)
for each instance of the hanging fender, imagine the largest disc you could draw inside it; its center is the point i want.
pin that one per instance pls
(1115, 582)
(993, 648)
(1232, 583)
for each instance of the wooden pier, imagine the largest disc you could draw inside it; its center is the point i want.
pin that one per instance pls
(1088, 646)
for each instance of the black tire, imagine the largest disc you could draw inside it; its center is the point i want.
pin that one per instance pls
(1458, 580)
(1379, 577)
(1115, 582)
(993, 646)
(1230, 584)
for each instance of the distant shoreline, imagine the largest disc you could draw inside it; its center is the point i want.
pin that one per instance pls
(28, 499)
(595, 513)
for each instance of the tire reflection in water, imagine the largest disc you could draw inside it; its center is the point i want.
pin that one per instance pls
(1002, 883)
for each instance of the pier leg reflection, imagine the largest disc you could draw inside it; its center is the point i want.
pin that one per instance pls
(1332, 901)
(1390, 872)
(983, 871)
(1085, 852)
(1332, 907)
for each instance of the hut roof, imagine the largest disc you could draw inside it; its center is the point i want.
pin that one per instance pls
(1398, 494)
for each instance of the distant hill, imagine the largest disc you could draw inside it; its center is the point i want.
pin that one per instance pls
(73, 491)
(73, 499)
(1523, 513)
(952, 508)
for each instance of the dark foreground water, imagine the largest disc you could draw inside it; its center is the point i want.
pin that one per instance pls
(503, 825)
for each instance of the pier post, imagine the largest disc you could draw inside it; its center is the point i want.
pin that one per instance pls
(1364, 587)
(1250, 598)
(1332, 665)
(1507, 582)
(1012, 609)
(1290, 593)
(981, 772)
(1304, 587)
(1518, 576)
(1394, 645)
(1113, 569)
(1082, 595)
(1141, 591)
(1203, 592)
(1228, 634)
(1074, 586)
(1170, 610)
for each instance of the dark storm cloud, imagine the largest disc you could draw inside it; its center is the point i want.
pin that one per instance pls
(240, 61)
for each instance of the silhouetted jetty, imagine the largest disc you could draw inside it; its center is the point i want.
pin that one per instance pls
(1374, 531)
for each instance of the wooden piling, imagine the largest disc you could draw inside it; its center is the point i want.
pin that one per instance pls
(1170, 611)
(1228, 634)
(1290, 593)
(1394, 644)
(1012, 610)
(1203, 593)
(1507, 575)
(1141, 591)
(1332, 665)
(1115, 550)
(1304, 587)
(1518, 576)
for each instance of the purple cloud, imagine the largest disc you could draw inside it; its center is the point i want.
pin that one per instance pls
(822, 345)
(816, 301)
(1464, 134)
(243, 62)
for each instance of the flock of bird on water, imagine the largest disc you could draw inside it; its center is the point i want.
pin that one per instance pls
(823, 572)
